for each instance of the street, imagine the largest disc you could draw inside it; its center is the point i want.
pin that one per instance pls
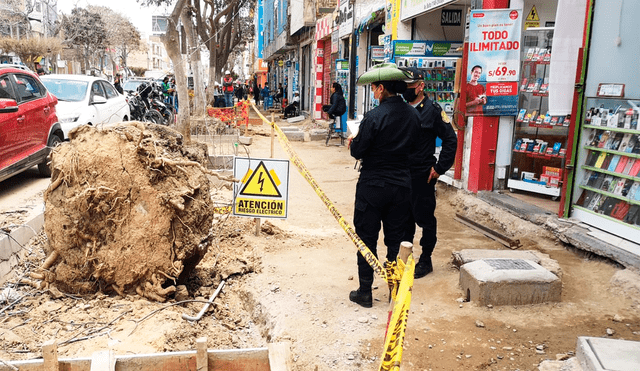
(291, 283)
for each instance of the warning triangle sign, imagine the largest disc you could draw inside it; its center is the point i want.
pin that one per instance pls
(533, 15)
(261, 182)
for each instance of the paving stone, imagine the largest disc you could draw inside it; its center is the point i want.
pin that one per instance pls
(601, 354)
(508, 282)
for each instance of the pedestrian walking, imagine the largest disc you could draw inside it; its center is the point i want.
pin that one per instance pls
(425, 168)
(384, 141)
(227, 88)
(265, 95)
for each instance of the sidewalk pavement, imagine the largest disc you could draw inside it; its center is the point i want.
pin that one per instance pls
(573, 232)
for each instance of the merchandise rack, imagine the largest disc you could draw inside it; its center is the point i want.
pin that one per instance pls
(607, 190)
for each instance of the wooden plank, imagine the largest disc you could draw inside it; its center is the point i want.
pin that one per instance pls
(202, 359)
(255, 359)
(50, 355)
(103, 360)
(280, 356)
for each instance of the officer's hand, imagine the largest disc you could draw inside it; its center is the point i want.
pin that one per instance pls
(349, 140)
(432, 175)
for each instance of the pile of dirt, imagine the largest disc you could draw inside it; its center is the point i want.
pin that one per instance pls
(128, 210)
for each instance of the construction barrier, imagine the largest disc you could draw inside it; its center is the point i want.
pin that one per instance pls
(239, 114)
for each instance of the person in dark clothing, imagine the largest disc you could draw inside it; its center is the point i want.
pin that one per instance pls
(256, 90)
(425, 168)
(239, 92)
(384, 141)
(338, 105)
(117, 83)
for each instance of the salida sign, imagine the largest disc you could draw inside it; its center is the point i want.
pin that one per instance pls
(494, 62)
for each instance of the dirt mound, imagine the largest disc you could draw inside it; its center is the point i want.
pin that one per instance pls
(128, 209)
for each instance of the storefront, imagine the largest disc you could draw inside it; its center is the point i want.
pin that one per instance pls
(606, 186)
(324, 27)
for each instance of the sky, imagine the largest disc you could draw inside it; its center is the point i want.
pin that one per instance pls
(139, 15)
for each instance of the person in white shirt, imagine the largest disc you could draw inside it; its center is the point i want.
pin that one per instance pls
(295, 102)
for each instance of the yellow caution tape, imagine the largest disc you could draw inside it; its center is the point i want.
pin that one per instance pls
(293, 157)
(222, 209)
(394, 339)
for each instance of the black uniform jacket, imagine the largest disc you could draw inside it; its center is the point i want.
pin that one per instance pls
(432, 125)
(385, 140)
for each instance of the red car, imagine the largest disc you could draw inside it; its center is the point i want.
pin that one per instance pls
(29, 126)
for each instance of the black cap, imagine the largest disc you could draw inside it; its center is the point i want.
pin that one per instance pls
(415, 73)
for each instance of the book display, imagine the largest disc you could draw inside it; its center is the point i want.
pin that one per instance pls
(540, 139)
(607, 189)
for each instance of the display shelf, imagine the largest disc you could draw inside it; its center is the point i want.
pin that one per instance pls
(534, 124)
(533, 187)
(594, 167)
(613, 173)
(628, 154)
(609, 194)
(616, 129)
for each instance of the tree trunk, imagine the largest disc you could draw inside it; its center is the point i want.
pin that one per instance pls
(171, 41)
(199, 102)
(213, 75)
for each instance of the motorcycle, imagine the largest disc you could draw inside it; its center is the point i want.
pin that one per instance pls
(157, 103)
(140, 111)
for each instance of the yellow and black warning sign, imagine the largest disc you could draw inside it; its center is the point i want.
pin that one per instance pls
(533, 19)
(263, 187)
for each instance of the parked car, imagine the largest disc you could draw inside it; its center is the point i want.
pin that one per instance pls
(29, 126)
(132, 84)
(15, 65)
(86, 100)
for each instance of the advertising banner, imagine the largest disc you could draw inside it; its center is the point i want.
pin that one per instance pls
(494, 62)
(413, 48)
(414, 8)
(345, 19)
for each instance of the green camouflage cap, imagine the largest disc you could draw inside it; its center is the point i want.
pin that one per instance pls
(383, 72)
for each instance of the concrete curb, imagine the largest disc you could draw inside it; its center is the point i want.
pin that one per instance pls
(566, 231)
(11, 245)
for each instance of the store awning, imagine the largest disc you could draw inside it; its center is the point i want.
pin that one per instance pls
(371, 20)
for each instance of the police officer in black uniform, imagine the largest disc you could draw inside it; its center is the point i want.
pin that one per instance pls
(425, 168)
(384, 141)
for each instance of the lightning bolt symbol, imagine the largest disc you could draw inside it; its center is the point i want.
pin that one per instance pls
(261, 182)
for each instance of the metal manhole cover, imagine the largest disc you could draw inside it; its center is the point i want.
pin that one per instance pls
(503, 264)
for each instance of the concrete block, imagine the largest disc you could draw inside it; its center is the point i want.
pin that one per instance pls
(294, 136)
(508, 282)
(289, 128)
(318, 134)
(5, 270)
(220, 162)
(295, 119)
(602, 354)
(470, 255)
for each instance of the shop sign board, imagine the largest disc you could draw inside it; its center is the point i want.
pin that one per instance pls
(345, 19)
(451, 17)
(335, 42)
(413, 8)
(377, 52)
(263, 190)
(494, 52)
(418, 48)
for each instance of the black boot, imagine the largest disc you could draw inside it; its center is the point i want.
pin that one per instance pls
(423, 267)
(362, 298)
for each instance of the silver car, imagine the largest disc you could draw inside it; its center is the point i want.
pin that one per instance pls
(86, 100)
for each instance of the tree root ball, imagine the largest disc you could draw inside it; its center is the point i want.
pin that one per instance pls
(128, 210)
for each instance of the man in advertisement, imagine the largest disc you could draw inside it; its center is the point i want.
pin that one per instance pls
(476, 96)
